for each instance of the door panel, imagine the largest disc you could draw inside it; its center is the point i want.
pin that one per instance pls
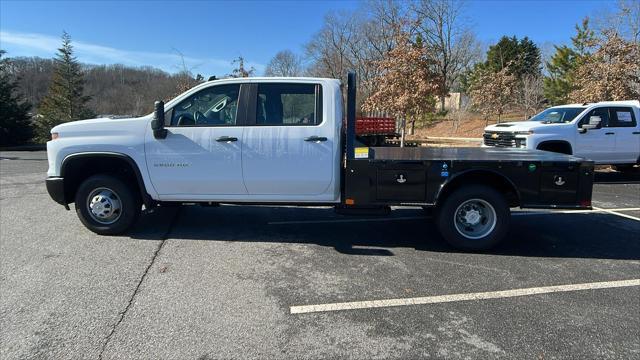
(288, 149)
(190, 161)
(202, 153)
(624, 123)
(278, 160)
(596, 144)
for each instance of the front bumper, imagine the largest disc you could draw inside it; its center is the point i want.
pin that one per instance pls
(55, 188)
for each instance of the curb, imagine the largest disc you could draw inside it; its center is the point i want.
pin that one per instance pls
(36, 147)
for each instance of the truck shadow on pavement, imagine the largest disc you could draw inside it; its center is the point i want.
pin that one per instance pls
(614, 177)
(592, 235)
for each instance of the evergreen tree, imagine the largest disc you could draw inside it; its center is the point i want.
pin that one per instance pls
(585, 39)
(561, 80)
(15, 122)
(522, 57)
(559, 83)
(65, 100)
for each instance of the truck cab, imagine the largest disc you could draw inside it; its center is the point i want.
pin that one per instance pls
(229, 140)
(605, 132)
(281, 141)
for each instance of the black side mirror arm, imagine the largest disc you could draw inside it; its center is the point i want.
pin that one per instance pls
(157, 124)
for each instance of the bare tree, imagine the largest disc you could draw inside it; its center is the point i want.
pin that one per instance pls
(284, 63)
(530, 95)
(452, 45)
(624, 20)
(355, 41)
(240, 71)
(460, 113)
(328, 50)
(185, 75)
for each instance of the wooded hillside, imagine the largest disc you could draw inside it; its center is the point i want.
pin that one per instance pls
(114, 89)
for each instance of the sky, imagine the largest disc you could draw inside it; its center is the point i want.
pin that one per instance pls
(208, 35)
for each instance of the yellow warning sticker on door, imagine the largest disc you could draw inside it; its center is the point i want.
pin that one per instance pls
(362, 153)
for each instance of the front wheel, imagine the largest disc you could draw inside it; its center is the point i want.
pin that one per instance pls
(106, 205)
(474, 218)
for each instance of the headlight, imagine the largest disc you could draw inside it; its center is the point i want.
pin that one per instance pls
(524, 132)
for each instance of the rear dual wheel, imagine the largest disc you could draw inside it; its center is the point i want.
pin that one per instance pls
(474, 218)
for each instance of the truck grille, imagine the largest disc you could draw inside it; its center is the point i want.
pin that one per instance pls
(499, 139)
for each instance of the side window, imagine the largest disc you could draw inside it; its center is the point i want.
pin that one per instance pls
(602, 112)
(213, 106)
(622, 117)
(289, 104)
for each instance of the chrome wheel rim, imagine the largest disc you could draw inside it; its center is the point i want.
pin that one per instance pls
(104, 206)
(475, 219)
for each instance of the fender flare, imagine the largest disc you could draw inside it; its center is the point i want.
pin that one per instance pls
(146, 198)
(469, 172)
(560, 142)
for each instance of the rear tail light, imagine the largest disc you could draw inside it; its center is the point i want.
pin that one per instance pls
(54, 135)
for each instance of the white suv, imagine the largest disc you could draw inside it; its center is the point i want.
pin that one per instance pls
(605, 132)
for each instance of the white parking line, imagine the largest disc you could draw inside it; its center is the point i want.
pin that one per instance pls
(515, 213)
(615, 212)
(305, 309)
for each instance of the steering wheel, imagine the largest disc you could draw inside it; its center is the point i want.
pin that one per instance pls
(199, 117)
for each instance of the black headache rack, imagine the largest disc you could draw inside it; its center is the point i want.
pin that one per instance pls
(377, 177)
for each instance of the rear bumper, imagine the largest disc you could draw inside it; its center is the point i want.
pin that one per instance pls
(55, 188)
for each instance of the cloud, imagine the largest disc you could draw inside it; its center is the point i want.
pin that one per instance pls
(30, 44)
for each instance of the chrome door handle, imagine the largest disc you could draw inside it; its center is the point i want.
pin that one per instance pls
(226, 139)
(610, 133)
(316, 138)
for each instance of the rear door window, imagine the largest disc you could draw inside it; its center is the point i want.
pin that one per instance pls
(622, 117)
(288, 104)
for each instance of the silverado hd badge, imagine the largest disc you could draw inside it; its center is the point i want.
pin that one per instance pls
(172, 165)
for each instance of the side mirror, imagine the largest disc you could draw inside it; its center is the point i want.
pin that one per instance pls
(157, 124)
(594, 123)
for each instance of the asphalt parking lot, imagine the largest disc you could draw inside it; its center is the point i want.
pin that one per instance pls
(231, 282)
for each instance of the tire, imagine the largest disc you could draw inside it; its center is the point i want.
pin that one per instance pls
(116, 206)
(486, 211)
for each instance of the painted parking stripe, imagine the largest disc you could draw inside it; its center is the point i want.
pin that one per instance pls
(616, 212)
(515, 213)
(305, 309)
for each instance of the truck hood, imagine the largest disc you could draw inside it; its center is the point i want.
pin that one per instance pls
(101, 126)
(515, 126)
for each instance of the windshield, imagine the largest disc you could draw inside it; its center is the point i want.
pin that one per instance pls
(558, 115)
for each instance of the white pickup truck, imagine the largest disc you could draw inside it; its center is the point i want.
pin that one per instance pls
(282, 141)
(605, 132)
